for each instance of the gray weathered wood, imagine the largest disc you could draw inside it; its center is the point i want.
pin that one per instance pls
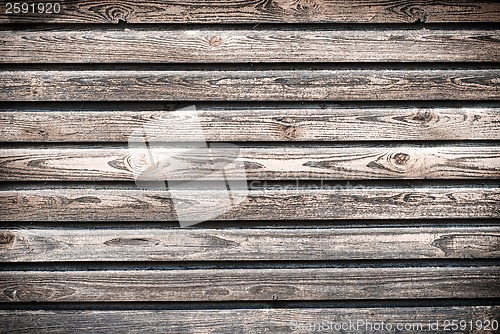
(243, 257)
(243, 320)
(250, 284)
(240, 46)
(250, 85)
(262, 11)
(32, 244)
(253, 124)
(91, 203)
(313, 162)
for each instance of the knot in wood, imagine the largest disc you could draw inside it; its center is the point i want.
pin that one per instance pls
(418, 15)
(287, 128)
(119, 13)
(7, 238)
(289, 131)
(416, 198)
(215, 41)
(424, 116)
(401, 158)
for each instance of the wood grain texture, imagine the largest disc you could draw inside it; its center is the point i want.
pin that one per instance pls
(92, 203)
(263, 11)
(250, 284)
(32, 244)
(387, 239)
(244, 320)
(241, 46)
(253, 124)
(307, 162)
(260, 85)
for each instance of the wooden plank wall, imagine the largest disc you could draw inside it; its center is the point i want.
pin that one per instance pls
(369, 132)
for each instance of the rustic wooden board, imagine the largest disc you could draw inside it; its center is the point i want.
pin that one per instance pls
(240, 46)
(88, 203)
(306, 162)
(243, 320)
(256, 85)
(258, 284)
(254, 124)
(325, 250)
(32, 244)
(262, 11)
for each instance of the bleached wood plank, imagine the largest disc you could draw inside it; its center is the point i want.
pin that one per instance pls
(306, 162)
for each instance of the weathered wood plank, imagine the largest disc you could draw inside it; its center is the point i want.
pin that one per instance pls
(245, 320)
(278, 202)
(31, 244)
(253, 124)
(240, 46)
(255, 85)
(250, 284)
(262, 11)
(306, 162)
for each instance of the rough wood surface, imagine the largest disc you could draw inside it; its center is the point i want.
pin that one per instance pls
(250, 85)
(262, 11)
(92, 203)
(240, 46)
(253, 124)
(244, 320)
(258, 284)
(319, 249)
(306, 162)
(32, 244)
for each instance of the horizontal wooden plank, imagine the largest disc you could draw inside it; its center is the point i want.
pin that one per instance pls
(240, 46)
(250, 284)
(253, 124)
(247, 320)
(306, 162)
(32, 244)
(89, 203)
(260, 85)
(261, 11)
